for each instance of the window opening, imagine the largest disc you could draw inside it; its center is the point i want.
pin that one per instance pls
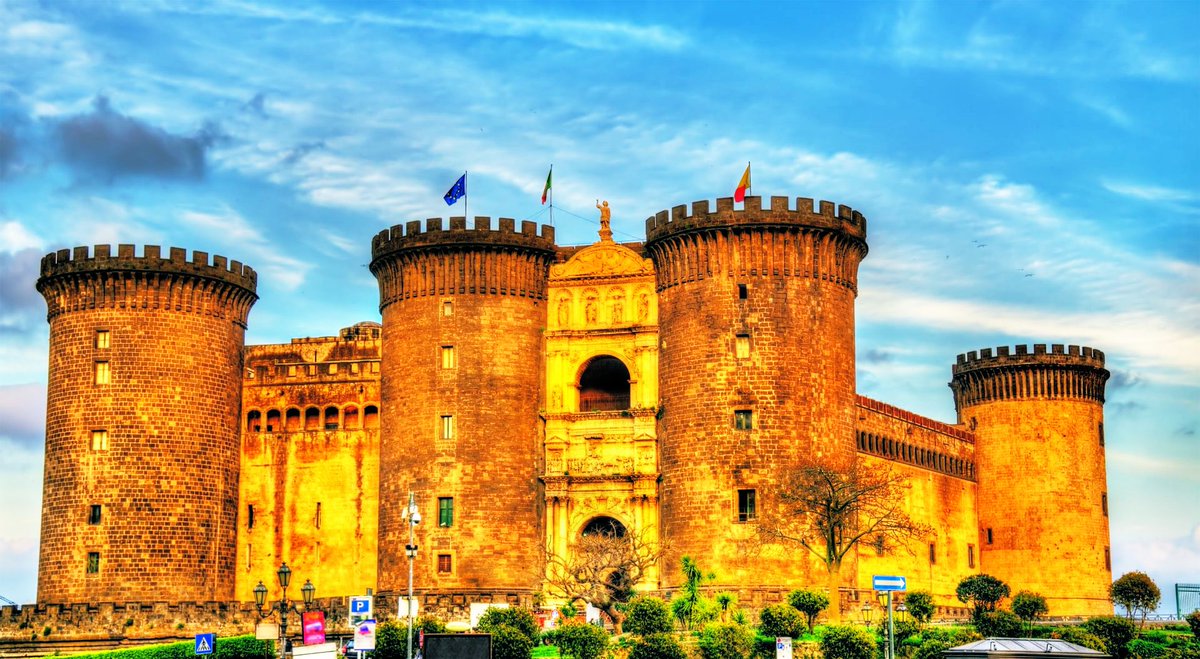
(254, 421)
(99, 440)
(447, 426)
(445, 512)
(331, 418)
(94, 514)
(743, 292)
(447, 308)
(605, 526)
(312, 418)
(1100, 429)
(1104, 503)
(743, 420)
(932, 553)
(1107, 559)
(292, 420)
(370, 417)
(747, 505)
(93, 562)
(273, 420)
(742, 346)
(445, 564)
(250, 516)
(103, 373)
(448, 357)
(102, 339)
(350, 420)
(970, 555)
(989, 535)
(317, 516)
(880, 543)
(604, 385)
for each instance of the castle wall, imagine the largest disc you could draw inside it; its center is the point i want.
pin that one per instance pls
(784, 280)
(141, 470)
(466, 429)
(310, 464)
(1038, 418)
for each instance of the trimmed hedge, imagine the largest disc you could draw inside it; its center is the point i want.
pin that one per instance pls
(237, 647)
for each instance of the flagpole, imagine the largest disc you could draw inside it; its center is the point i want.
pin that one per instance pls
(551, 176)
(466, 198)
(750, 181)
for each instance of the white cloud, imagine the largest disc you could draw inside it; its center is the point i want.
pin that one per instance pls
(1150, 192)
(235, 235)
(14, 237)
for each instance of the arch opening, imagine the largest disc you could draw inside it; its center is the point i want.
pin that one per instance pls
(604, 385)
(603, 526)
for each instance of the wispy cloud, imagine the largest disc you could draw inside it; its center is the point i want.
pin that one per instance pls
(233, 233)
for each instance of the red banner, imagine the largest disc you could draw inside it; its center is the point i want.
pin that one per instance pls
(314, 627)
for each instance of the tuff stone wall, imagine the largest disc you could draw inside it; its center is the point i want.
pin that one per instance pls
(481, 293)
(1038, 418)
(785, 279)
(165, 475)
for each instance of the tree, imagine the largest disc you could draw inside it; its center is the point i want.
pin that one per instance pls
(515, 618)
(780, 620)
(1028, 606)
(1193, 621)
(1135, 592)
(828, 511)
(580, 640)
(689, 602)
(1115, 632)
(602, 569)
(646, 615)
(809, 602)
(847, 643)
(982, 591)
(920, 605)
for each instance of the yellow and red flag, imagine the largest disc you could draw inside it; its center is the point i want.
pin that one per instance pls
(743, 186)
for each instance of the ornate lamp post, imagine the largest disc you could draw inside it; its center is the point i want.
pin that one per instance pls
(308, 590)
(410, 549)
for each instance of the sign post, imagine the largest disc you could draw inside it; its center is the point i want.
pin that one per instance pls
(890, 585)
(783, 647)
(205, 643)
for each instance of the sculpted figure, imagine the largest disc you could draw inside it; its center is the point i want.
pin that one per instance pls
(590, 311)
(643, 307)
(605, 218)
(564, 311)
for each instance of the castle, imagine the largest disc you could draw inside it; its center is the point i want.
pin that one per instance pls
(526, 393)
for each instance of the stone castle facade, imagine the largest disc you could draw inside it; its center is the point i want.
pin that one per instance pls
(526, 393)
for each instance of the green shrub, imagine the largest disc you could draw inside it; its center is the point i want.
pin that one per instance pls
(809, 602)
(519, 619)
(780, 620)
(723, 640)
(429, 624)
(1193, 621)
(1079, 636)
(647, 615)
(905, 629)
(242, 647)
(955, 636)
(658, 646)
(1114, 631)
(580, 640)
(391, 640)
(237, 647)
(1028, 606)
(931, 649)
(1143, 649)
(998, 624)
(509, 642)
(920, 606)
(847, 643)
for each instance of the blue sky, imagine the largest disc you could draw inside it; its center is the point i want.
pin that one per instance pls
(1030, 172)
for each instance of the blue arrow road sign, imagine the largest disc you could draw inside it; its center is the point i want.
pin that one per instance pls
(888, 583)
(205, 643)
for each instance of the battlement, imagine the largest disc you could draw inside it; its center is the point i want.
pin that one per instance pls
(823, 215)
(412, 234)
(1058, 354)
(83, 260)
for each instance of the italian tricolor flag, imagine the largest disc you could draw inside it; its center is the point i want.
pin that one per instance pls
(743, 186)
(546, 190)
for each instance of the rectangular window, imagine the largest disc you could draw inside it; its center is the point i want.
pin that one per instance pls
(970, 555)
(879, 544)
(1107, 559)
(250, 516)
(445, 564)
(932, 553)
(742, 346)
(317, 516)
(103, 374)
(354, 368)
(743, 292)
(448, 357)
(447, 308)
(743, 419)
(291, 370)
(445, 512)
(102, 339)
(989, 535)
(747, 505)
(99, 440)
(93, 563)
(447, 426)
(333, 369)
(94, 514)
(1104, 503)
(1100, 429)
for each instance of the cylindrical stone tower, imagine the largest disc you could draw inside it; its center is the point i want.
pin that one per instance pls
(756, 312)
(461, 379)
(1038, 420)
(141, 482)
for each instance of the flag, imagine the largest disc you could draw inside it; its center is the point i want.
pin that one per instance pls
(743, 186)
(546, 190)
(457, 191)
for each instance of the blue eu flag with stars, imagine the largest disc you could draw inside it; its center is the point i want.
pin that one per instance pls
(457, 191)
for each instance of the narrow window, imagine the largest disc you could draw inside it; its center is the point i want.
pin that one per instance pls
(102, 339)
(354, 368)
(447, 308)
(989, 535)
(1100, 430)
(447, 356)
(94, 514)
(1107, 559)
(747, 505)
(743, 293)
(445, 564)
(333, 369)
(743, 419)
(317, 516)
(447, 426)
(445, 512)
(93, 562)
(879, 544)
(1104, 503)
(742, 346)
(250, 516)
(932, 553)
(970, 555)
(103, 373)
(99, 440)
(291, 370)
(331, 418)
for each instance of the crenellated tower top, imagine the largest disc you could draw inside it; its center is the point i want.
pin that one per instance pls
(412, 235)
(825, 215)
(1062, 372)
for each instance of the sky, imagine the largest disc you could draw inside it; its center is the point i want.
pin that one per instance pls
(1030, 172)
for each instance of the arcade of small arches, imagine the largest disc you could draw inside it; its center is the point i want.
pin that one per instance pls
(891, 449)
(332, 417)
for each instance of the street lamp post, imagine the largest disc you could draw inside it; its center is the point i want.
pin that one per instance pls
(308, 590)
(410, 549)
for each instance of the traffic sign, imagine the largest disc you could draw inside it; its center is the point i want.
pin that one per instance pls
(361, 608)
(883, 583)
(364, 635)
(205, 643)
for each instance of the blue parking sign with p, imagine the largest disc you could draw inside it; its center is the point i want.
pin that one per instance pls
(205, 643)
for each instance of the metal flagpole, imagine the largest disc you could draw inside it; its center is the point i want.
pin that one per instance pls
(551, 176)
(466, 215)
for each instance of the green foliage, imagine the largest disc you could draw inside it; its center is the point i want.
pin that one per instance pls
(687, 605)
(568, 609)
(658, 646)
(519, 619)
(780, 620)
(1079, 636)
(723, 640)
(809, 602)
(998, 624)
(646, 615)
(920, 605)
(982, 591)
(429, 624)
(1143, 649)
(1135, 592)
(580, 640)
(1115, 632)
(391, 640)
(509, 642)
(241, 647)
(905, 629)
(1028, 606)
(238, 647)
(955, 636)
(841, 642)
(1193, 621)
(931, 649)
(46, 630)
(691, 613)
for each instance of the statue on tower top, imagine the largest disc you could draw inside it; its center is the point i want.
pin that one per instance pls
(605, 218)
